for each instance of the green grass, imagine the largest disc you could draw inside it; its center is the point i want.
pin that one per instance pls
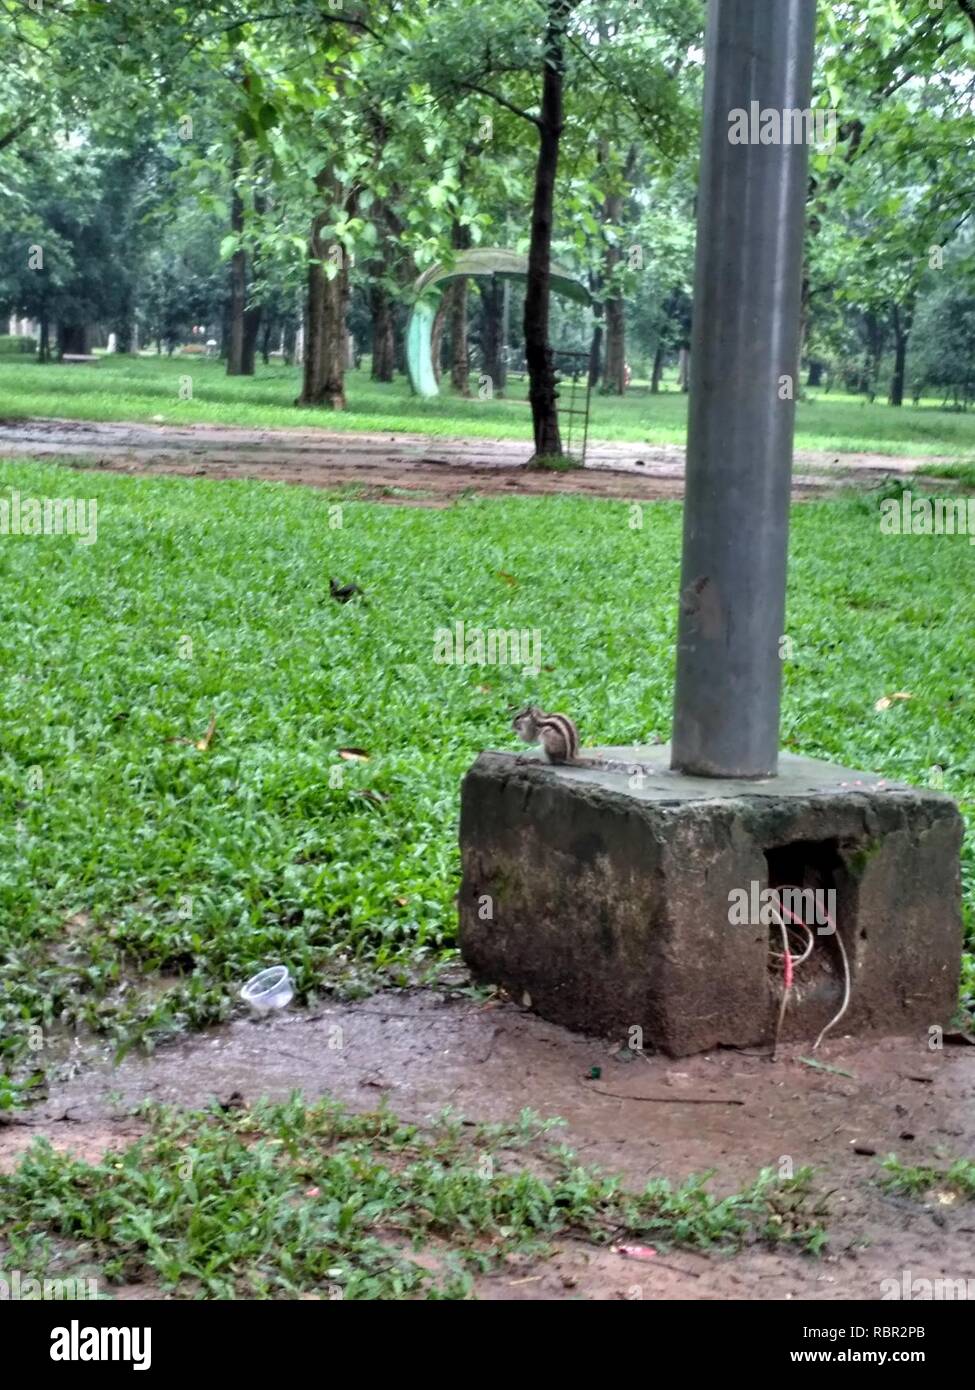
(917, 1181)
(963, 473)
(296, 1199)
(139, 389)
(142, 879)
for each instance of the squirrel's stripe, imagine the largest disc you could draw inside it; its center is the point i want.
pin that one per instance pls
(565, 727)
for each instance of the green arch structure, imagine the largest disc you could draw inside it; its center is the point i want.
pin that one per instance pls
(485, 260)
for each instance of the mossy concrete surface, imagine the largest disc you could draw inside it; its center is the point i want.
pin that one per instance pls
(606, 898)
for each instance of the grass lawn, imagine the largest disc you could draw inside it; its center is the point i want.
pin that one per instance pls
(143, 878)
(140, 389)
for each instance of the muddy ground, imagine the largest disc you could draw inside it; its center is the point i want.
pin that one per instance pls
(422, 1050)
(428, 470)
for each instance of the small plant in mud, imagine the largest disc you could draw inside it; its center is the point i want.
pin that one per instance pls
(956, 1182)
(288, 1199)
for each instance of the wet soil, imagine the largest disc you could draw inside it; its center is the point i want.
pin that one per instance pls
(415, 469)
(422, 1050)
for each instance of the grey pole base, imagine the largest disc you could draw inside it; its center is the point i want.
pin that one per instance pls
(608, 905)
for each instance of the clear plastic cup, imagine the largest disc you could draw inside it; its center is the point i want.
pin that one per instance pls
(268, 990)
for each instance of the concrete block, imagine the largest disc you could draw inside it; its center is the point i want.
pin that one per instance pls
(608, 898)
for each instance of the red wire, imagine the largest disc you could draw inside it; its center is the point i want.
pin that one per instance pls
(798, 922)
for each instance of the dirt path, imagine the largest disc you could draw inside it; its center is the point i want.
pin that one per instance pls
(427, 469)
(423, 1050)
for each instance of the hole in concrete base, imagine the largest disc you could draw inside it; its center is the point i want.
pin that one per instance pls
(821, 897)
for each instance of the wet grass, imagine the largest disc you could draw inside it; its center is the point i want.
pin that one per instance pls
(961, 473)
(142, 389)
(298, 1200)
(147, 870)
(957, 1181)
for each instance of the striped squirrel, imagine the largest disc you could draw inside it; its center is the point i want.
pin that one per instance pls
(559, 738)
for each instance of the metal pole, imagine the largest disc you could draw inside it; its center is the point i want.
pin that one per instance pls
(744, 368)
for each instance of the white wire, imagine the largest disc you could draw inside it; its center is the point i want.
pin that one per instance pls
(847, 991)
(798, 960)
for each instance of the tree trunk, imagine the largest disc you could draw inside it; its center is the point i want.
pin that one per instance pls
(324, 365)
(124, 324)
(658, 370)
(903, 323)
(225, 325)
(289, 340)
(456, 298)
(436, 335)
(245, 323)
(492, 346)
(596, 341)
(684, 369)
(542, 392)
(815, 377)
(383, 338)
(614, 373)
(238, 280)
(252, 328)
(876, 342)
(596, 348)
(72, 338)
(44, 341)
(457, 311)
(505, 329)
(399, 339)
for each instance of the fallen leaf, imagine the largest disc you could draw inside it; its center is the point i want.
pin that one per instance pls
(204, 743)
(508, 578)
(886, 701)
(354, 755)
